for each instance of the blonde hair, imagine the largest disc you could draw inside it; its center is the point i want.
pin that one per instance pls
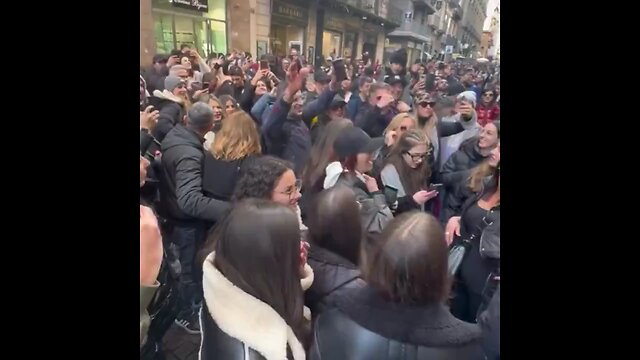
(237, 138)
(220, 104)
(397, 120)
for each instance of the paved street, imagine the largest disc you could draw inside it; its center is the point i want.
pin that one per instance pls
(179, 345)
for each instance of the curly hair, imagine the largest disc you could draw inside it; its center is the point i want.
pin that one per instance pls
(260, 177)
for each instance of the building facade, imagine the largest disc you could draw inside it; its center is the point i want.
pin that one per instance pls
(470, 31)
(414, 34)
(166, 24)
(317, 28)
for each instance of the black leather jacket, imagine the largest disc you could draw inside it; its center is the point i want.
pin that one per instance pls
(219, 345)
(366, 327)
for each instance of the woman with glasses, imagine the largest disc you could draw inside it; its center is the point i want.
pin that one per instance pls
(488, 109)
(270, 178)
(407, 173)
(476, 224)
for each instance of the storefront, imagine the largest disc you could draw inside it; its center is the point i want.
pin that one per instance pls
(201, 24)
(288, 28)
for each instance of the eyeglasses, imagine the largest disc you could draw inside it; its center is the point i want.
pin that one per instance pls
(291, 191)
(424, 104)
(416, 157)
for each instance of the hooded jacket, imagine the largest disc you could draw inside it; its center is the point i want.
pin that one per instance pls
(181, 186)
(171, 110)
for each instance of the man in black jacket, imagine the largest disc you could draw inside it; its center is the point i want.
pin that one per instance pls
(374, 115)
(187, 210)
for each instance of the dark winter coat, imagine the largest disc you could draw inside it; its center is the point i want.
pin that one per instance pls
(489, 322)
(371, 120)
(171, 111)
(457, 170)
(367, 327)
(181, 183)
(333, 276)
(220, 177)
(154, 77)
(287, 137)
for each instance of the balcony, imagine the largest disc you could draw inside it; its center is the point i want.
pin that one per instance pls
(424, 4)
(434, 22)
(379, 11)
(414, 30)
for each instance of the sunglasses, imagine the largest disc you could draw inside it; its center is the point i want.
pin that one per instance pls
(424, 104)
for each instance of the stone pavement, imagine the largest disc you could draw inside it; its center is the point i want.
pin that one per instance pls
(180, 345)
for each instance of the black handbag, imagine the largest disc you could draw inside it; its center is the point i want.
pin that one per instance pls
(456, 255)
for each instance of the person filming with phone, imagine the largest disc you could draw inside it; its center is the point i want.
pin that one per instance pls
(407, 173)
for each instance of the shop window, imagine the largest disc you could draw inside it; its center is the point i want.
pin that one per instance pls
(218, 37)
(163, 29)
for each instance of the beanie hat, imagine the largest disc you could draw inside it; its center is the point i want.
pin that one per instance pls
(399, 57)
(469, 95)
(171, 82)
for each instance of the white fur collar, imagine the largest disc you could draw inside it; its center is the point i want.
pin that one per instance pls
(333, 172)
(246, 318)
(167, 95)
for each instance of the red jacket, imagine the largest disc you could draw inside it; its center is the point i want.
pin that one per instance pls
(487, 115)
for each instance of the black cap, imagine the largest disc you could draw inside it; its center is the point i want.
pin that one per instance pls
(394, 79)
(321, 76)
(337, 101)
(160, 58)
(353, 141)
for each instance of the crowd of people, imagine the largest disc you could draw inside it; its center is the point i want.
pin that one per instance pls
(346, 210)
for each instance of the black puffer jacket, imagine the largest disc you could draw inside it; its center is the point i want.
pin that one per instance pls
(333, 275)
(366, 327)
(171, 111)
(457, 169)
(181, 192)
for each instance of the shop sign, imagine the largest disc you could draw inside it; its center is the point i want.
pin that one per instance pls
(333, 23)
(289, 11)
(197, 5)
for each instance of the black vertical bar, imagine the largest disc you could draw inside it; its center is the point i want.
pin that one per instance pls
(319, 33)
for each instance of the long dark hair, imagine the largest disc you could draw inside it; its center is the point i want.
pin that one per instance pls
(262, 257)
(409, 264)
(334, 223)
(260, 177)
(322, 153)
(413, 180)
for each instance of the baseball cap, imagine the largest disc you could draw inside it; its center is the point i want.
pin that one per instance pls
(394, 79)
(337, 101)
(353, 141)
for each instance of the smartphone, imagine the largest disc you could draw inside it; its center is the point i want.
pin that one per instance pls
(264, 65)
(339, 70)
(206, 85)
(436, 187)
(390, 194)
